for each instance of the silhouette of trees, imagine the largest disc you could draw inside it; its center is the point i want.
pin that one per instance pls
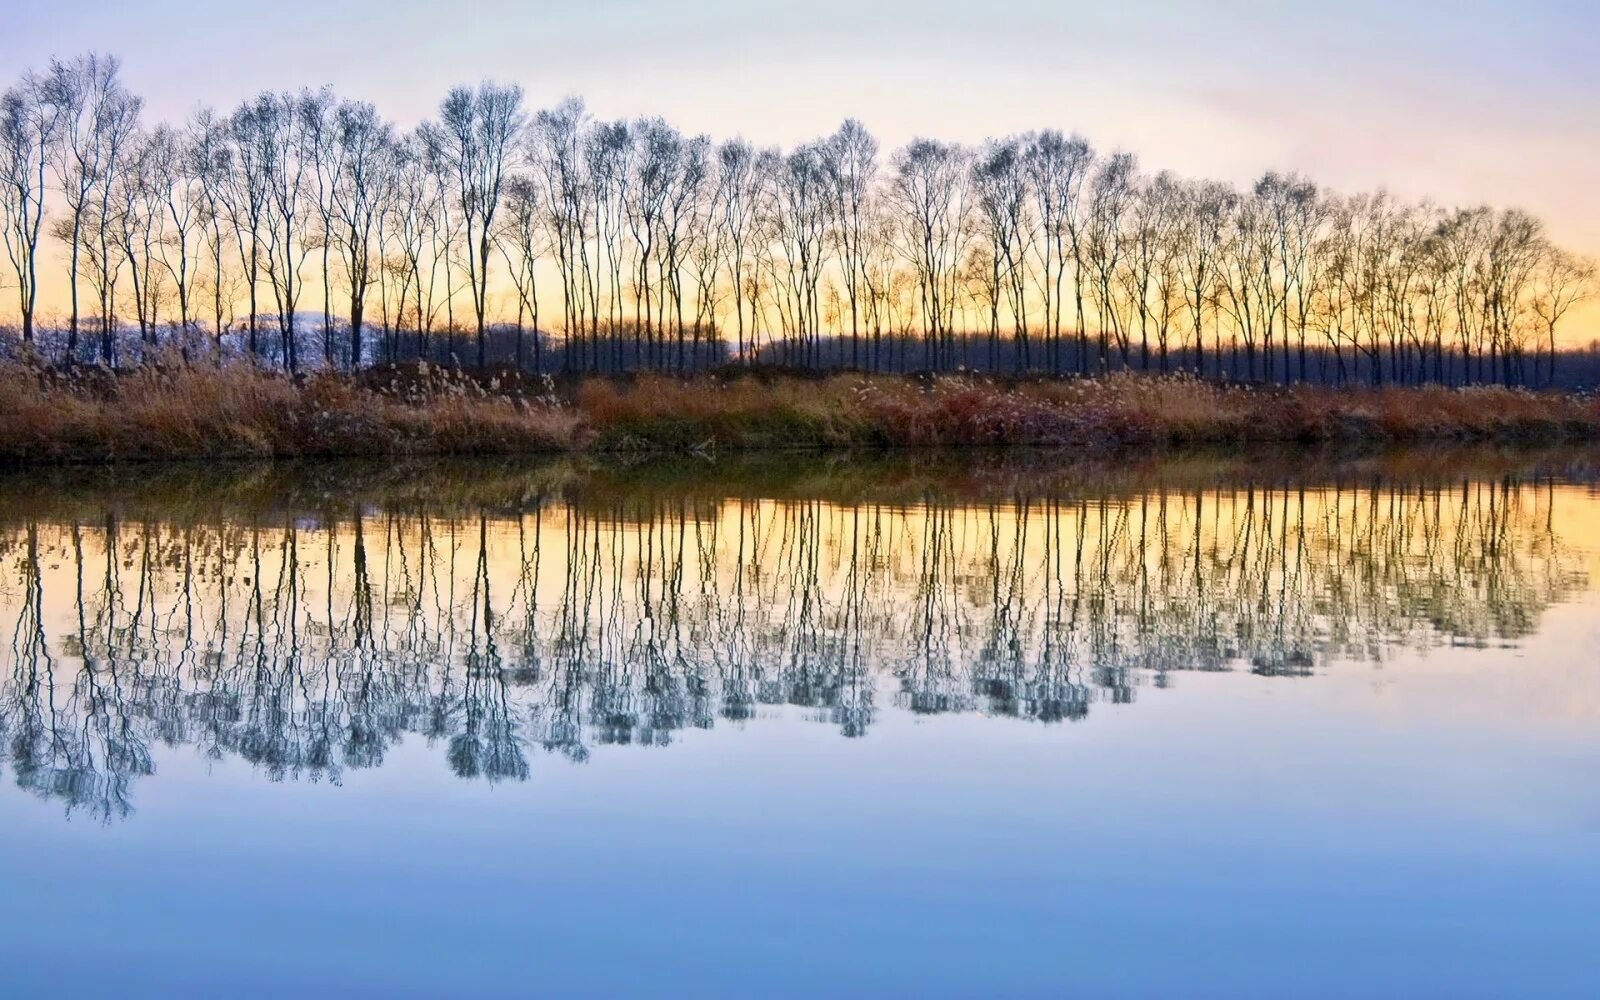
(97, 116)
(1031, 252)
(1562, 281)
(930, 187)
(359, 183)
(31, 115)
(474, 141)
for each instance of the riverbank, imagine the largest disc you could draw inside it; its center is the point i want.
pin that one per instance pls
(241, 411)
(632, 486)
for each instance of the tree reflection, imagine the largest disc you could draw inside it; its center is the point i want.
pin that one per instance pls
(309, 645)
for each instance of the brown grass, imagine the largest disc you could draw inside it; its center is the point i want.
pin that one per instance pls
(852, 410)
(174, 410)
(239, 411)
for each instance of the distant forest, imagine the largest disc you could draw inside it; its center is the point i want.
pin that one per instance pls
(302, 229)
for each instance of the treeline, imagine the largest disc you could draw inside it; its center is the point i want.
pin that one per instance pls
(301, 228)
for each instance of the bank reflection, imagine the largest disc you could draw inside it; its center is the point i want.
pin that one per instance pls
(310, 644)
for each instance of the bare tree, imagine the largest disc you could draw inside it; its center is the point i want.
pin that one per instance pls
(140, 224)
(1104, 243)
(176, 194)
(658, 147)
(478, 136)
(1462, 240)
(609, 150)
(414, 223)
(362, 172)
(803, 216)
(522, 245)
(283, 138)
(245, 191)
(1515, 250)
(684, 201)
(1058, 167)
(96, 117)
(1004, 196)
(1204, 219)
(211, 164)
(931, 187)
(30, 126)
(322, 156)
(1564, 280)
(557, 150)
(1246, 281)
(850, 158)
(1295, 212)
(1149, 280)
(735, 203)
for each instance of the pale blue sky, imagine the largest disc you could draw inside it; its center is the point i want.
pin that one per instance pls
(1465, 101)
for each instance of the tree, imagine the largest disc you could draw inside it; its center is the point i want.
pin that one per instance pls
(96, 117)
(1150, 277)
(1004, 194)
(1247, 281)
(521, 246)
(1564, 280)
(1204, 214)
(1515, 249)
(657, 147)
(363, 169)
(175, 192)
(735, 202)
(477, 136)
(803, 216)
(931, 187)
(284, 139)
(244, 190)
(1104, 243)
(1058, 167)
(211, 165)
(30, 126)
(653, 235)
(685, 197)
(140, 224)
(556, 148)
(317, 137)
(414, 221)
(850, 159)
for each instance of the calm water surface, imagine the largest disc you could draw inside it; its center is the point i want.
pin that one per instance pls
(1003, 726)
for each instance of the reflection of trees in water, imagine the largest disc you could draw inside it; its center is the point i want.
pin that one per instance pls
(309, 647)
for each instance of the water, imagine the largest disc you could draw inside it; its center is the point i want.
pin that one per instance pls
(919, 726)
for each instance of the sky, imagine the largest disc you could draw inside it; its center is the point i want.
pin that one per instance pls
(1465, 102)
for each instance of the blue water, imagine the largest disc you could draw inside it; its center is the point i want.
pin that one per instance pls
(1418, 817)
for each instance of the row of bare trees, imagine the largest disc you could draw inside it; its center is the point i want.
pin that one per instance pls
(651, 248)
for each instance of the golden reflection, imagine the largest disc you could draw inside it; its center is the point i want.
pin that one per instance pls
(509, 615)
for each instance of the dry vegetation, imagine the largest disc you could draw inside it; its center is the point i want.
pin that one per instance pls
(240, 410)
(176, 410)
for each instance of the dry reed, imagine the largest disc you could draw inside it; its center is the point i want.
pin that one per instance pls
(176, 410)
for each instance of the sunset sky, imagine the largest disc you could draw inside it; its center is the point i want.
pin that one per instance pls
(1464, 102)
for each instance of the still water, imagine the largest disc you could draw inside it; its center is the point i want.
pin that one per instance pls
(997, 726)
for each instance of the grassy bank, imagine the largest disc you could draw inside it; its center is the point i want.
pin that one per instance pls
(640, 486)
(179, 411)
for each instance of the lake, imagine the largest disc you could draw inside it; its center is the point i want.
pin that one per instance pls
(1008, 724)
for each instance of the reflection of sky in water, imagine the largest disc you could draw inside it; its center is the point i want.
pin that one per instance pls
(1416, 818)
